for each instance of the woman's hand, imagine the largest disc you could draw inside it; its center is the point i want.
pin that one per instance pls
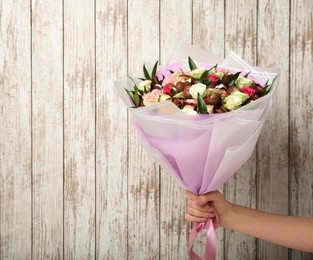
(288, 231)
(201, 207)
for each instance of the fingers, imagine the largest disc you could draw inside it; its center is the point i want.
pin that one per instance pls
(202, 200)
(197, 213)
(200, 213)
(196, 216)
(199, 207)
(191, 218)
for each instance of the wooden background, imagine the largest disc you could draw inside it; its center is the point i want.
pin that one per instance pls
(75, 184)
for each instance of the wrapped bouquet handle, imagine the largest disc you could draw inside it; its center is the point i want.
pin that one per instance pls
(211, 226)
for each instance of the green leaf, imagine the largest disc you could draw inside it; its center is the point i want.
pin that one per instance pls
(234, 78)
(179, 95)
(268, 85)
(206, 82)
(247, 74)
(223, 76)
(202, 109)
(204, 75)
(154, 69)
(132, 81)
(130, 94)
(173, 91)
(192, 64)
(136, 98)
(146, 73)
(215, 66)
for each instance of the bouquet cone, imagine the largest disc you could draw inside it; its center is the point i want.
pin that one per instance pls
(202, 151)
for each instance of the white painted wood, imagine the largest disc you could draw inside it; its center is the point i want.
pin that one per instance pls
(79, 129)
(272, 152)
(240, 37)
(301, 115)
(47, 129)
(143, 172)
(15, 130)
(116, 206)
(174, 230)
(111, 131)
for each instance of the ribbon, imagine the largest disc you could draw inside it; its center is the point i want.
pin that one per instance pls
(210, 248)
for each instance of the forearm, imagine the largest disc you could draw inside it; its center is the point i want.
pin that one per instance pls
(288, 231)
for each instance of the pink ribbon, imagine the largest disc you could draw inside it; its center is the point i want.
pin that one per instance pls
(210, 248)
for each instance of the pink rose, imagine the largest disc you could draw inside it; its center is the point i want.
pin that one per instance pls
(156, 91)
(167, 89)
(213, 78)
(169, 79)
(150, 98)
(247, 90)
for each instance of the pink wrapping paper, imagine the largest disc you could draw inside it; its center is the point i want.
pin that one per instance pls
(202, 152)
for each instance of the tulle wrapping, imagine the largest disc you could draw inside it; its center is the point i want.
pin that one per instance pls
(201, 152)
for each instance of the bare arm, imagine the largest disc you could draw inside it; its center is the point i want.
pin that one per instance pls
(288, 231)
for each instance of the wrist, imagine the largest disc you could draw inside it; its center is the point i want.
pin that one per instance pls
(229, 217)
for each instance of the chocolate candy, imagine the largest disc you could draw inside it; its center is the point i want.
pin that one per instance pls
(180, 86)
(213, 99)
(187, 95)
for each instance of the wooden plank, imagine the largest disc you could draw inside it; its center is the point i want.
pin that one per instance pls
(174, 230)
(79, 129)
(208, 34)
(240, 37)
(47, 129)
(272, 155)
(301, 114)
(143, 172)
(111, 130)
(15, 130)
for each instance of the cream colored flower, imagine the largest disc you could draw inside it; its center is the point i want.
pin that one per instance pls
(189, 110)
(164, 97)
(242, 81)
(150, 98)
(197, 73)
(210, 109)
(197, 88)
(235, 100)
(145, 85)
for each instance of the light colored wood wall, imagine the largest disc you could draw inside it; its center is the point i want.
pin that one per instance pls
(75, 184)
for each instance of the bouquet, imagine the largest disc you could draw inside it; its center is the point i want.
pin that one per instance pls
(200, 117)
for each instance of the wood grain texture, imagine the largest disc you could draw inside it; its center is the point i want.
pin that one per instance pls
(111, 131)
(174, 230)
(208, 34)
(272, 150)
(15, 130)
(79, 129)
(301, 114)
(240, 37)
(143, 172)
(47, 129)
(75, 183)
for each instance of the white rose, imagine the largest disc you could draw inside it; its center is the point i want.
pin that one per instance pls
(235, 100)
(189, 110)
(145, 85)
(197, 88)
(164, 97)
(197, 73)
(210, 109)
(242, 81)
